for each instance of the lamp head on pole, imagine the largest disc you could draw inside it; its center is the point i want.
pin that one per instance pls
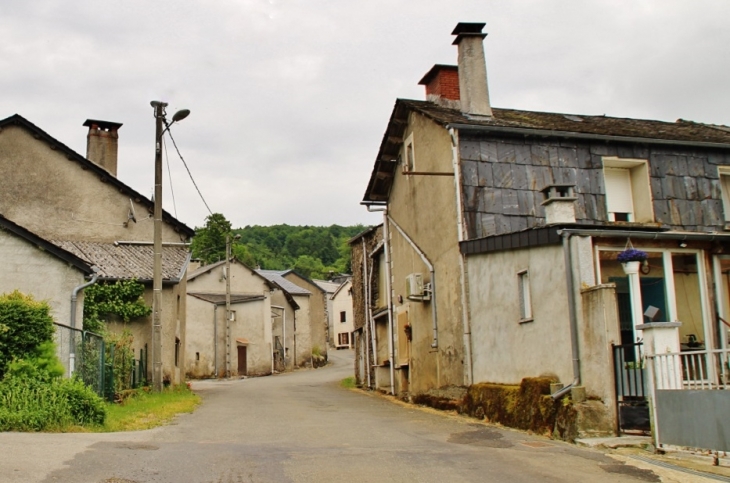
(180, 115)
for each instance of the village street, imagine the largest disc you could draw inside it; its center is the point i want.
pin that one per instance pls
(303, 426)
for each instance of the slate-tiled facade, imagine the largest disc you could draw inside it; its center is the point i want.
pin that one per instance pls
(502, 178)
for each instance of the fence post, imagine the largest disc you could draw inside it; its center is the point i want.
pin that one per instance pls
(660, 338)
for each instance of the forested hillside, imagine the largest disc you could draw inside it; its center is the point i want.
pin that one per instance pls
(313, 251)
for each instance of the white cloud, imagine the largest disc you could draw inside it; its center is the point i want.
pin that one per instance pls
(290, 98)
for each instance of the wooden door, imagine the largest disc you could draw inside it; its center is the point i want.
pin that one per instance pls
(242, 370)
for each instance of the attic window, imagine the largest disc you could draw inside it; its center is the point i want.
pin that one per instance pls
(724, 173)
(628, 194)
(409, 157)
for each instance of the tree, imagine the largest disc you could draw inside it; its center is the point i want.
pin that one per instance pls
(209, 243)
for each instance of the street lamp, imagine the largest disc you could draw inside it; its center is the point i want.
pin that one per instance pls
(159, 108)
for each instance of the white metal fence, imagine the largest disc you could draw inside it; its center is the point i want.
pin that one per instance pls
(696, 370)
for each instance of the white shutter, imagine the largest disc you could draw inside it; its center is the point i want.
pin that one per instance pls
(618, 192)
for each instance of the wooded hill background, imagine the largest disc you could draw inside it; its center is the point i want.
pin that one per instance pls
(313, 251)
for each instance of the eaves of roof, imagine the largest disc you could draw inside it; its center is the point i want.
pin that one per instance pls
(46, 245)
(104, 175)
(220, 299)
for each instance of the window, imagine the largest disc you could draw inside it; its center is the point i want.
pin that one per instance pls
(523, 285)
(724, 172)
(628, 193)
(343, 316)
(177, 352)
(409, 162)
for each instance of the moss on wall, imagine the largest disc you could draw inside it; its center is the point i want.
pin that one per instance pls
(527, 407)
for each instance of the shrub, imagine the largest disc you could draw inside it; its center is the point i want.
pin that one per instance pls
(43, 363)
(27, 324)
(35, 404)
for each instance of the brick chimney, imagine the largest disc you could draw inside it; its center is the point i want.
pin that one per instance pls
(102, 144)
(442, 85)
(473, 89)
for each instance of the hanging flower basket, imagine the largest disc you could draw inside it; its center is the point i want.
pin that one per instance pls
(632, 255)
(631, 259)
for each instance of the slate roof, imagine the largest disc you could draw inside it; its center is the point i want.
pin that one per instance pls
(277, 277)
(43, 244)
(327, 286)
(220, 299)
(103, 174)
(681, 130)
(126, 261)
(533, 123)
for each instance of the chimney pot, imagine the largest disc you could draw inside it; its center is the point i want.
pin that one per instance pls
(102, 143)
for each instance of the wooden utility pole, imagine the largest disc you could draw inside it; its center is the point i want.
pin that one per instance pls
(157, 273)
(228, 305)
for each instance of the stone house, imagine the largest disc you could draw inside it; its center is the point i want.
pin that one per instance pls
(330, 287)
(78, 203)
(341, 315)
(242, 346)
(35, 266)
(307, 317)
(502, 228)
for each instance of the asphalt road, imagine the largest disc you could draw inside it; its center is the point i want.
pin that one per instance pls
(304, 427)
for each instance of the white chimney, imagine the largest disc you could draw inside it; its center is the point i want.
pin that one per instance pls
(559, 204)
(473, 90)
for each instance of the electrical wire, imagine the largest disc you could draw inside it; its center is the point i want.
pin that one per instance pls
(169, 176)
(188, 170)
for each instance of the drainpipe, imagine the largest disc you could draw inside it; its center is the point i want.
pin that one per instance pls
(215, 341)
(388, 277)
(460, 230)
(427, 262)
(72, 320)
(366, 287)
(573, 319)
(389, 298)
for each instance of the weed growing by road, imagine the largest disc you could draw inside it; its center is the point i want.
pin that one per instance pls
(145, 410)
(348, 382)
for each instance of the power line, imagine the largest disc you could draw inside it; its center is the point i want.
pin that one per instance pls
(188, 170)
(169, 175)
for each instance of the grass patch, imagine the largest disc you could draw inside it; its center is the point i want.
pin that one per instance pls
(348, 382)
(145, 410)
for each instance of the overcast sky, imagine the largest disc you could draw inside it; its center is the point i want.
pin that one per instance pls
(290, 98)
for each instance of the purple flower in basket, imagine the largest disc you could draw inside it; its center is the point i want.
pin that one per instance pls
(632, 255)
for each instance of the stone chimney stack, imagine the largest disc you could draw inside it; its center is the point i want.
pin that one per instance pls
(102, 144)
(473, 88)
(442, 85)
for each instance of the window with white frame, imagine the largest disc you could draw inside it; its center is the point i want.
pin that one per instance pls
(724, 173)
(525, 300)
(628, 192)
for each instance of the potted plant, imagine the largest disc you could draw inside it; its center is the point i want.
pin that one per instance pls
(631, 259)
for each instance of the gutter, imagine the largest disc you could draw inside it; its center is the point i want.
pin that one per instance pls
(427, 262)
(663, 235)
(573, 319)
(578, 135)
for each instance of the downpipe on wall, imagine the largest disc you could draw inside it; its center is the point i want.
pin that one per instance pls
(72, 319)
(432, 272)
(573, 318)
(465, 315)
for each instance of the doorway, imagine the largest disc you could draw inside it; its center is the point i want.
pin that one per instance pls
(242, 365)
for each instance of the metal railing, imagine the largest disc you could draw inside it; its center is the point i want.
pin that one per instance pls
(697, 370)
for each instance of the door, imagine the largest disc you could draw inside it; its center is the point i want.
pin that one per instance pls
(242, 367)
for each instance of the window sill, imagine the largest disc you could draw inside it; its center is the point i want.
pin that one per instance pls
(526, 321)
